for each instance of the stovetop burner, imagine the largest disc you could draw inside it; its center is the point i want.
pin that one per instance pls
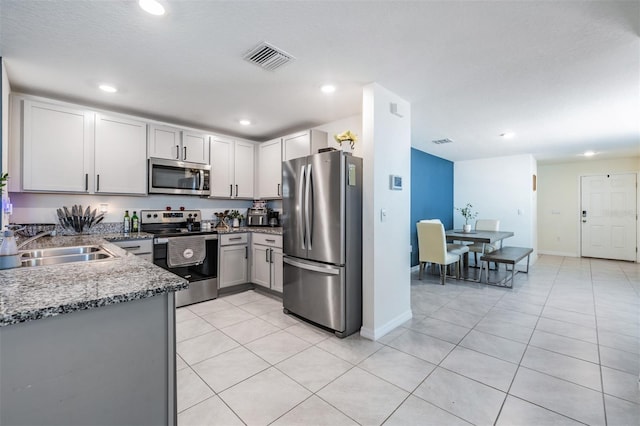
(171, 223)
(183, 232)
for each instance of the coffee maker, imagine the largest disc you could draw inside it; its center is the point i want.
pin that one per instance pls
(274, 218)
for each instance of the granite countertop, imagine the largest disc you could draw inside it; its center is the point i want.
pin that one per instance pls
(277, 230)
(32, 293)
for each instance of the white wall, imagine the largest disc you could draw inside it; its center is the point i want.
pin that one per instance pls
(559, 201)
(386, 148)
(353, 123)
(41, 208)
(6, 89)
(499, 188)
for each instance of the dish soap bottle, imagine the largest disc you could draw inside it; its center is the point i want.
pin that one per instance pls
(135, 223)
(9, 257)
(127, 223)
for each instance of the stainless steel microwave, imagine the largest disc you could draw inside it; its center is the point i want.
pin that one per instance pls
(178, 177)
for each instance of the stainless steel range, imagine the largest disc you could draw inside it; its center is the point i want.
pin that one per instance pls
(181, 247)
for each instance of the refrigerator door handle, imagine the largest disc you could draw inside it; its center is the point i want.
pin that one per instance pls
(300, 212)
(307, 206)
(322, 269)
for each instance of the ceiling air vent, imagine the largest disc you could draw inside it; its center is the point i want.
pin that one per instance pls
(268, 57)
(441, 141)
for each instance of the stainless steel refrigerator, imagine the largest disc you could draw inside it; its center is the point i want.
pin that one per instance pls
(322, 240)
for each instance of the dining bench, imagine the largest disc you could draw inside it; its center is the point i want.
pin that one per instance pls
(508, 256)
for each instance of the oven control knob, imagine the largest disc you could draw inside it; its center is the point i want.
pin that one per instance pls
(190, 215)
(155, 215)
(195, 215)
(148, 215)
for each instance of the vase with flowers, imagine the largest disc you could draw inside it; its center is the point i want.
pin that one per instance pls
(348, 138)
(468, 215)
(235, 217)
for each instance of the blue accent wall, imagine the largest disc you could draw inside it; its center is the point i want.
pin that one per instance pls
(431, 193)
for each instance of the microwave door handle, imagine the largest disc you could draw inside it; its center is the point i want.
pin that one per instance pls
(201, 180)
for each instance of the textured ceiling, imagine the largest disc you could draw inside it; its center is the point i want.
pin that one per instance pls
(564, 76)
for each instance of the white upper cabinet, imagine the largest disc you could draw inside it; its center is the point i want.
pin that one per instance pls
(164, 142)
(221, 181)
(195, 147)
(57, 148)
(244, 169)
(121, 155)
(172, 143)
(232, 168)
(270, 169)
(303, 143)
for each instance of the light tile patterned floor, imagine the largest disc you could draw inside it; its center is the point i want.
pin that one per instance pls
(561, 347)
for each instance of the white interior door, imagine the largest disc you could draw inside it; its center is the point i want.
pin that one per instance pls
(609, 216)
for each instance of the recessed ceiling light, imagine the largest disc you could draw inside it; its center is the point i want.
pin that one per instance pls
(107, 88)
(152, 6)
(244, 122)
(328, 88)
(589, 154)
(507, 135)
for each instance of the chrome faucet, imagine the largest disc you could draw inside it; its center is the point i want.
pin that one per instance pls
(35, 237)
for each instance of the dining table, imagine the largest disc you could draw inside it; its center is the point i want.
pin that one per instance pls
(480, 237)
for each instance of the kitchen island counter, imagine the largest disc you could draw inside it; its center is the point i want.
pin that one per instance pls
(32, 293)
(73, 352)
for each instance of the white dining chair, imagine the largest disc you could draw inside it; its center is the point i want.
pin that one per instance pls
(484, 225)
(460, 249)
(432, 248)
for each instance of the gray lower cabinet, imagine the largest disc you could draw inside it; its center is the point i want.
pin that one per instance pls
(266, 261)
(111, 365)
(141, 248)
(234, 259)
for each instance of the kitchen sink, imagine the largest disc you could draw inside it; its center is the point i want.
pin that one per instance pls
(59, 251)
(60, 255)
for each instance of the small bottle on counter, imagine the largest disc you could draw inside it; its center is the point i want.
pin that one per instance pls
(135, 222)
(127, 223)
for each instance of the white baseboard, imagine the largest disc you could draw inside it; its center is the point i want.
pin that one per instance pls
(377, 333)
(558, 253)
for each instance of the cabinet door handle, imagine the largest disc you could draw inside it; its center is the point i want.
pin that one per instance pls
(246, 252)
(270, 255)
(230, 190)
(131, 247)
(86, 181)
(235, 238)
(270, 241)
(177, 152)
(97, 183)
(184, 153)
(236, 190)
(278, 190)
(266, 255)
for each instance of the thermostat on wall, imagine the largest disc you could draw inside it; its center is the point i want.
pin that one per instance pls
(395, 182)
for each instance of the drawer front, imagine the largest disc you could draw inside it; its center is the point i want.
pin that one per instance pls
(267, 239)
(229, 239)
(136, 246)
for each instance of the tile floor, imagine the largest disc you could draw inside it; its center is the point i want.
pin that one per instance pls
(562, 347)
